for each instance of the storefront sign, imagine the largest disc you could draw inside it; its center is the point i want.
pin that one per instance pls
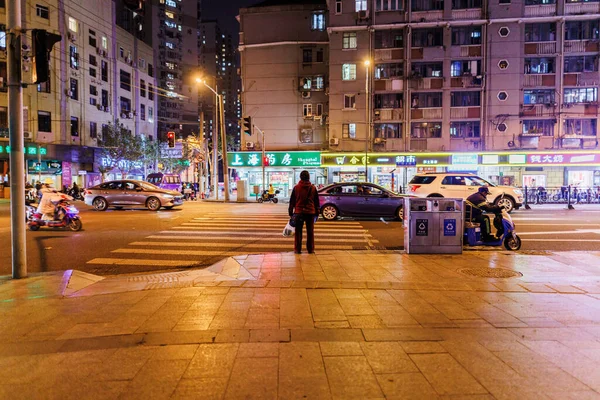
(433, 160)
(67, 180)
(517, 159)
(490, 159)
(276, 159)
(52, 167)
(122, 164)
(463, 162)
(29, 150)
(563, 158)
(406, 161)
(172, 152)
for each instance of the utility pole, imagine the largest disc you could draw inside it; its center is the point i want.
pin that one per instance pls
(264, 183)
(16, 140)
(215, 142)
(224, 152)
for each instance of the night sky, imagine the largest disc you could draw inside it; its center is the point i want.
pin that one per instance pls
(225, 12)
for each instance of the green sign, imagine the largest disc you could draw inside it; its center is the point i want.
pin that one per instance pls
(52, 167)
(275, 159)
(30, 150)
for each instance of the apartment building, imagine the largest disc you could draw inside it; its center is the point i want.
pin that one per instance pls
(64, 117)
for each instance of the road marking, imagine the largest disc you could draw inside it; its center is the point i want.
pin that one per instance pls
(290, 244)
(270, 228)
(185, 231)
(561, 240)
(542, 219)
(597, 231)
(249, 238)
(127, 261)
(571, 224)
(182, 252)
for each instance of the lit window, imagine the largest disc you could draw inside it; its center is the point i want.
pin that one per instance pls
(349, 101)
(307, 110)
(104, 42)
(72, 24)
(318, 21)
(169, 14)
(349, 40)
(349, 72)
(171, 3)
(170, 45)
(361, 5)
(349, 131)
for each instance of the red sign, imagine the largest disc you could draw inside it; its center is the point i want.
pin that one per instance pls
(563, 158)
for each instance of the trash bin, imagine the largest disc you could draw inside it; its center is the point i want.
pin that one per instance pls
(433, 225)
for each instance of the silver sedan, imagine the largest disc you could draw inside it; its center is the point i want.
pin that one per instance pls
(128, 193)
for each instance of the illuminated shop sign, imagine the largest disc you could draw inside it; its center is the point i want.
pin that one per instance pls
(406, 161)
(52, 167)
(490, 159)
(563, 158)
(517, 159)
(29, 150)
(276, 159)
(463, 162)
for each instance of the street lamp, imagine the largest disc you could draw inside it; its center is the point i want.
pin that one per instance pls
(221, 123)
(368, 118)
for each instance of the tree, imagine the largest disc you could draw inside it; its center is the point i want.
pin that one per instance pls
(120, 149)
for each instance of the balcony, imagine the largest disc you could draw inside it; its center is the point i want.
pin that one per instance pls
(395, 84)
(426, 113)
(426, 83)
(540, 48)
(469, 13)
(581, 79)
(388, 114)
(581, 46)
(538, 110)
(578, 142)
(388, 54)
(532, 80)
(541, 10)
(470, 51)
(464, 112)
(466, 81)
(582, 8)
(422, 16)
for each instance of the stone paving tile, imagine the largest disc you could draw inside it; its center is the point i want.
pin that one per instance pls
(409, 386)
(157, 380)
(341, 349)
(387, 358)
(245, 383)
(211, 388)
(212, 361)
(302, 372)
(351, 377)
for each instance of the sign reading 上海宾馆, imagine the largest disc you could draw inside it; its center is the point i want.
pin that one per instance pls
(276, 159)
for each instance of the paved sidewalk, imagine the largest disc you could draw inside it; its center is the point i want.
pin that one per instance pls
(364, 325)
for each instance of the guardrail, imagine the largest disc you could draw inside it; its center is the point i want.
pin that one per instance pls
(568, 195)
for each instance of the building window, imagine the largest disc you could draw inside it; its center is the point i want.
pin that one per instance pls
(307, 110)
(72, 24)
(44, 121)
(360, 5)
(2, 41)
(388, 100)
(388, 71)
(540, 65)
(464, 129)
(150, 92)
(466, 35)
(150, 114)
(349, 131)
(540, 32)
(73, 57)
(150, 70)
(350, 101)
(389, 5)
(93, 130)
(319, 83)
(349, 72)
(349, 40)
(74, 126)
(388, 131)
(427, 70)
(538, 127)
(426, 100)
(74, 89)
(307, 56)
(581, 63)
(125, 105)
(306, 83)
(338, 6)
(92, 72)
(580, 127)
(424, 130)
(142, 112)
(582, 30)
(430, 37)
(319, 111)
(427, 5)
(389, 39)
(502, 96)
(44, 87)
(92, 38)
(539, 2)
(93, 61)
(580, 95)
(142, 88)
(104, 98)
(538, 96)
(320, 55)
(104, 70)
(125, 79)
(467, 67)
(464, 4)
(104, 42)
(93, 101)
(318, 21)
(121, 52)
(465, 99)
(93, 90)
(42, 11)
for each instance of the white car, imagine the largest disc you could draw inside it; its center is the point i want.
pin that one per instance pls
(460, 185)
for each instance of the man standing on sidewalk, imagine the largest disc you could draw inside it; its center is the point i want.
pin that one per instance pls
(304, 204)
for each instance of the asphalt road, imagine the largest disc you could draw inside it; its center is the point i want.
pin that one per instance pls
(201, 233)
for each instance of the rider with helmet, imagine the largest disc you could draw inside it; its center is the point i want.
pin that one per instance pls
(479, 205)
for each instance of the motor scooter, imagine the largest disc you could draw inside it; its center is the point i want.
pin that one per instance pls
(65, 216)
(505, 231)
(266, 197)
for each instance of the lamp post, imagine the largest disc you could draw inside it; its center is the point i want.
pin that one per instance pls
(220, 121)
(368, 118)
(264, 184)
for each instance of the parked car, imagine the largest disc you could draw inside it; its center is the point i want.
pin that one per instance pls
(356, 199)
(126, 193)
(462, 185)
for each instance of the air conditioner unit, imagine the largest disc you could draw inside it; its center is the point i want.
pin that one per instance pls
(306, 95)
(107, 109)
(318, 117)
(379, 140)
(249, 145)
(130, 115)
(25, 47)
(72, 37)
(98, 50)
(68, 93)
(123, 115)
(362, 14)
(99, 106)
(334, 141)
(27, 135)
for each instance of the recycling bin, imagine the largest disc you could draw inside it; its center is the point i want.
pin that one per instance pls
(433, 225)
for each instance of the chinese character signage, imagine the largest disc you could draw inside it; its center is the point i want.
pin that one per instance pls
(563, 158)
(406, 161)
(275, 159)
(29, 150)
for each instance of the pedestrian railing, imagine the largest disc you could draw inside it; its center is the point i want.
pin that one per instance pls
(568, 195)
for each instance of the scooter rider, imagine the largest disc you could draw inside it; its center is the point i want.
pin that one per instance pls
(479, 205)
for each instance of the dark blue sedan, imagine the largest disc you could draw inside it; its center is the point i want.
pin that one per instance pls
(356, 199)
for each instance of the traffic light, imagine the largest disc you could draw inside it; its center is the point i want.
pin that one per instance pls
(42, 43)
(171, 139)
(266, 161)
(247, 125)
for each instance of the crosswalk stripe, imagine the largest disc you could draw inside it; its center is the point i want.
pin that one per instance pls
(127, 261)
(180, 252)
(249, 238)
(185, 230)
(264, 220)
(289, 245)
(271, 228)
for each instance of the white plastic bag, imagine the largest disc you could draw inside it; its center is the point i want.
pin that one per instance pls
(289, 230)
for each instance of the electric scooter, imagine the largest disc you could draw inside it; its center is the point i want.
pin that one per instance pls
(505, 232)
(266, 197)
(66, 216)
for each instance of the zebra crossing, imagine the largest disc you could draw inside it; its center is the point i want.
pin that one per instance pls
(221, 234)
